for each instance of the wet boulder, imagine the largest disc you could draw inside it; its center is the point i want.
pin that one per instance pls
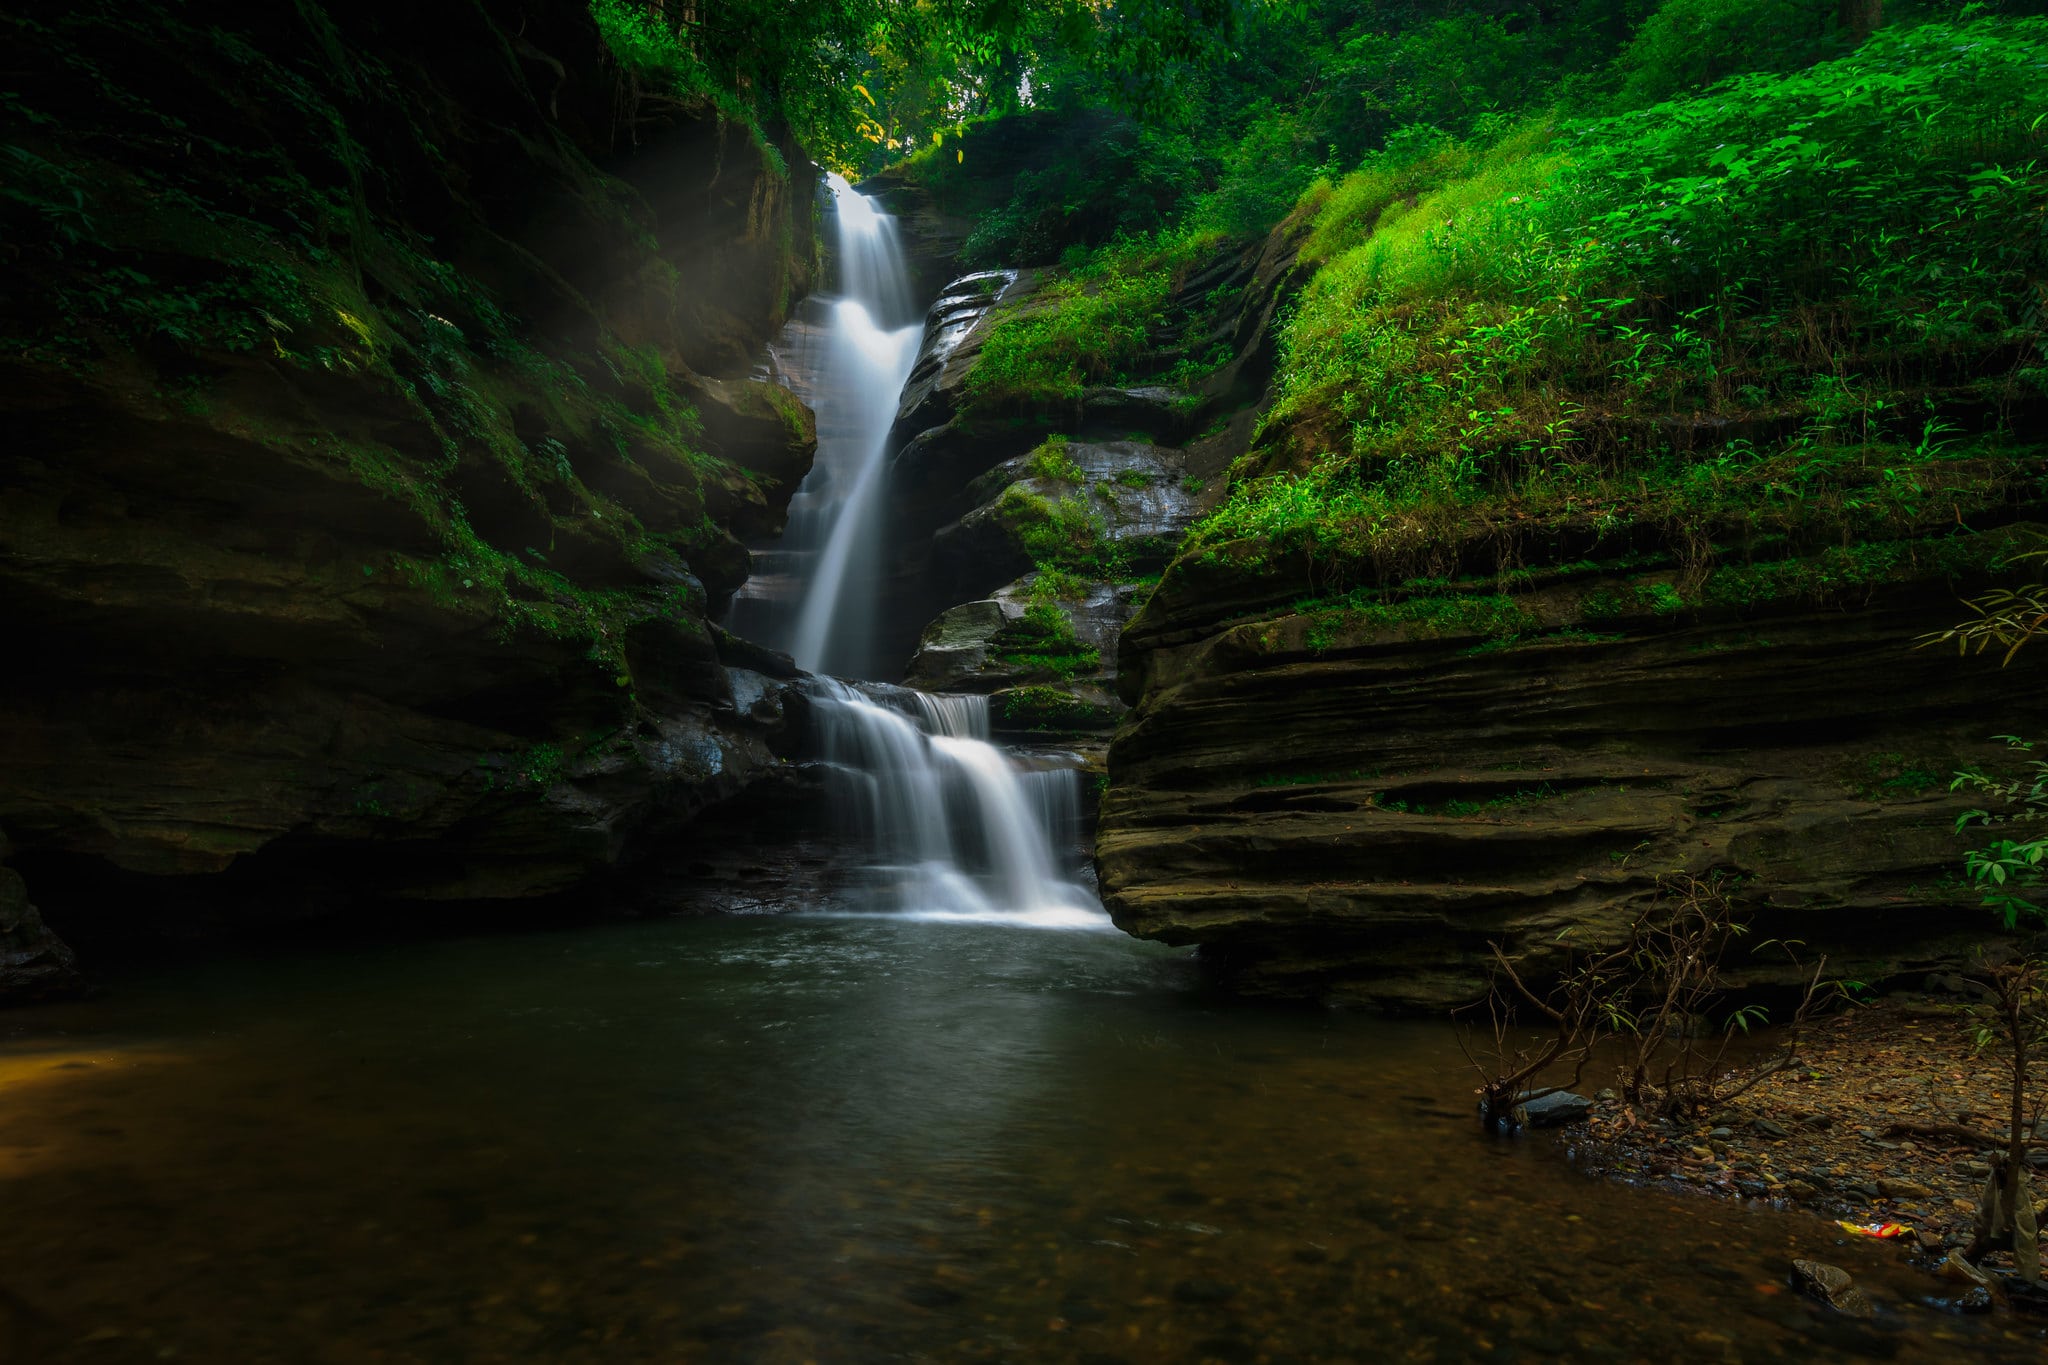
(1118, 503)
(955, 328)
(1832, 1286)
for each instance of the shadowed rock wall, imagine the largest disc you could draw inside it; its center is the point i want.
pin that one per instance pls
(374, 439)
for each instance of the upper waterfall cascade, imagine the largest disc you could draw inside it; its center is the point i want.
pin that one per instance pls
(959, 829)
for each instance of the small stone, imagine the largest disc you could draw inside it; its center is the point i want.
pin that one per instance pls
(1771, 1128)
(1722, 1133)
(1903, 1189)
(1958, 1270)
(1703, 1153)
(1558, 1107)
(1606, 1096)
(1975, 1299)
(1833, 1286)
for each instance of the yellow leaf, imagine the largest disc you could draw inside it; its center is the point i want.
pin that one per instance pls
(960, 155)
(864, 93)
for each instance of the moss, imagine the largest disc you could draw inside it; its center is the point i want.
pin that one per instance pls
(1358, 617)
(1653, 598)
(1462, 808)
(1043, 641)
(1846, 569)
(1048, 709)
(250, 252)
(1051, 461)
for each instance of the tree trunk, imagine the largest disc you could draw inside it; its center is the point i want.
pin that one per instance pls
(1860, 18)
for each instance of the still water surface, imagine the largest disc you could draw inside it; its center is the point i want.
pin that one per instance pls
(818, 1139)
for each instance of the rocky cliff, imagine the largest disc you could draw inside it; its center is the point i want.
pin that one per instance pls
(1345, 775)
(374, 439)
(1353, 803)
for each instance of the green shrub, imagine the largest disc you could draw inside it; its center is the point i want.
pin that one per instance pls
(1689, 44)
(1051, 461)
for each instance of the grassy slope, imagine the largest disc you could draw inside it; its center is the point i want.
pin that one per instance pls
(1798, 315)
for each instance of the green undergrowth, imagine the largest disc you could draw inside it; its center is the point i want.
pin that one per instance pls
(1048, 709)
(1502, 614)
(1803, 308)
(1113, 315)
(260, 275)
(1043, 641)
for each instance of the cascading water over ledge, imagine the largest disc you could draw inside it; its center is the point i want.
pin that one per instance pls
(958, 830)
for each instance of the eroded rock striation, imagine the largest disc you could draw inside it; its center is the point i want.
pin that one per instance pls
(1355, 800)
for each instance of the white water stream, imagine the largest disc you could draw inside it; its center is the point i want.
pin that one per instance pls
(959, 830)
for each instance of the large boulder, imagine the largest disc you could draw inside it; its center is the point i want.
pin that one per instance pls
(1130, 501)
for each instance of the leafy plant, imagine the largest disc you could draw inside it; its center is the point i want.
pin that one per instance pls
(2006, 869)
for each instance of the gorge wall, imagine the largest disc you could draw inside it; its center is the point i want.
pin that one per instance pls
(1356, 808)
(1349, 790)
(376, 437)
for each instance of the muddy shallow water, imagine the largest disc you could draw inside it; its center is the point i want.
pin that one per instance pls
(817, 1139)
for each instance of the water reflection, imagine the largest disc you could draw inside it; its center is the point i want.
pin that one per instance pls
(834, 1140)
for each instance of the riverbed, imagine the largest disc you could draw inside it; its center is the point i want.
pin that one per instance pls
(819, 1138)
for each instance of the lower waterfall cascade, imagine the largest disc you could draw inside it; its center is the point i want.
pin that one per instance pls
(958, 828)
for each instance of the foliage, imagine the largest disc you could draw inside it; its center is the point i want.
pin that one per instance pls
(1531, 327)
(2006, 870)
(1689, 44)
(2009, 616)
(1043, 641)
(265, 258)
(855, 80)
(1045, 708)
(1050, 460)
(1085, 329)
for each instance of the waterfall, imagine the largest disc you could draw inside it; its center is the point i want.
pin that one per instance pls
(959, 830)
(863, 343)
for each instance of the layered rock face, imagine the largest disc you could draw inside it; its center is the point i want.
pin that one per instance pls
(375, 433)
(1354, 803)
(1108, 483)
